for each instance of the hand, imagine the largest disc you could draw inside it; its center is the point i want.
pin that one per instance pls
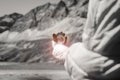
(59, 48)
(60, 38)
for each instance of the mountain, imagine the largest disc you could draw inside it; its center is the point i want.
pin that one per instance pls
(7, 21)
(45, 16)
(41, 17)
(36, 18)
(70, 3)
(28, 38)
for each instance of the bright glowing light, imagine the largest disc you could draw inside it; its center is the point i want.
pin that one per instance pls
(59, 50)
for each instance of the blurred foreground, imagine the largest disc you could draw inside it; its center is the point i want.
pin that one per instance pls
(34, 71)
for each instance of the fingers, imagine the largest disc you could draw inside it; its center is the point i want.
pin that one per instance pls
(55, 37)
(65, 40)
(60, 37)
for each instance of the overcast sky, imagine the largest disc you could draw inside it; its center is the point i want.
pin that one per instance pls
(20, 6)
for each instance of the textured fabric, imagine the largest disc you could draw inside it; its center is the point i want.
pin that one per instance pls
(102, 30)
(82, 64)
(98, 57)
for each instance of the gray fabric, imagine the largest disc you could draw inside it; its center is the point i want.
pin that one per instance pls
(102, 30)
(98, 57)
(82, 64)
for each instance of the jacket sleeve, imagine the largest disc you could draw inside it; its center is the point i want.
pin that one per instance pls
(102, 30)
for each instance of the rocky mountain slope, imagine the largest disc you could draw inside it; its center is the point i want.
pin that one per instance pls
(45, 16)
(7, 21)
(28, 39)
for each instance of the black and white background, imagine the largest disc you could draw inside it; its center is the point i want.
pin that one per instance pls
(26, 28)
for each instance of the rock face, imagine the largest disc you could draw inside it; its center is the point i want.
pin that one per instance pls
(36, 18)
(42, 17)
(70, 3)
(28, 37)
(45, 16)
(7, 21)
(61, 11)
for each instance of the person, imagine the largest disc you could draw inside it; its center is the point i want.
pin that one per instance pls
(97, 57)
